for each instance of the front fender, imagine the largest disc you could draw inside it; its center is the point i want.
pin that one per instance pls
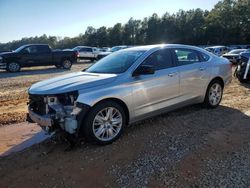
(94, 95)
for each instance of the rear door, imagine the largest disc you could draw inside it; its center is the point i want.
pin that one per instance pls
(193, 72)
(44, 55)
(159, 90)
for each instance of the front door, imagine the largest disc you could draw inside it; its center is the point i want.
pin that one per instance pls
(159, 90)
(29, 57)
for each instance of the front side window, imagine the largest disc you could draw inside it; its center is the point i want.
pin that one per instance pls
(204, 57)
(115, 63)
(31, 49)
(186, 56)
(159, 60)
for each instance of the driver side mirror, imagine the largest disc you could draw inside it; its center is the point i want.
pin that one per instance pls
(144, 70)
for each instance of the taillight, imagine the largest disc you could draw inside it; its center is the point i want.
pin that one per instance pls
(77, 54)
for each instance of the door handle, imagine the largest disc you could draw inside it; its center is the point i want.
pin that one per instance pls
(202, 68)
(172, 74)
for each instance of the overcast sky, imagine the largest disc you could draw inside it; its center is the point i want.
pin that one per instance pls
(26, 18)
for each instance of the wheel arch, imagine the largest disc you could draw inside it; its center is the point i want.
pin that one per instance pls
(65, 58)
(220, 79)
(118, 101)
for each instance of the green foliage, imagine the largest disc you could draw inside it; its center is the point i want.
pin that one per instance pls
(227, 23)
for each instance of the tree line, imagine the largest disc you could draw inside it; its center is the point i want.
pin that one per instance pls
(227, 23)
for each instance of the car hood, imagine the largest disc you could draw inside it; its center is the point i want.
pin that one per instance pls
(71, 82)
(229, 55)
(7, 54)
(105, 53)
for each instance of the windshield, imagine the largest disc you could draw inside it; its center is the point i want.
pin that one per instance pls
(116, 48)
(209, 49)
(115, 63)
(76, 48)
(20, 48)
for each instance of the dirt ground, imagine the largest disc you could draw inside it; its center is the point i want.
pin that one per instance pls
(190, 147)
(14, 87)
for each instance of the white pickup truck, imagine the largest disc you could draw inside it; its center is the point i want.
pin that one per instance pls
(86, 52)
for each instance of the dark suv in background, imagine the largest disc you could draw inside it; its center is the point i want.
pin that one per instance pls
(36, 55)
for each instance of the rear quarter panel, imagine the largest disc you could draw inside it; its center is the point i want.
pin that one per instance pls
(222, 68)
(58, 56)
(218, 67)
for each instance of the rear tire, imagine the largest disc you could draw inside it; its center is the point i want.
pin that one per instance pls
(13, 67)
(214, 94)
(66, 64)
(243, 81)
(104, 123)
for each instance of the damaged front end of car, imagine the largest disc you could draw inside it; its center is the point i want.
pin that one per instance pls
(53, 112)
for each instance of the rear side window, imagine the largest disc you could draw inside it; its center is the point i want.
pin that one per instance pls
(31, 49)
(86, 50)
(43, 49)
(204, 57)
(160, 59)
(186, 56)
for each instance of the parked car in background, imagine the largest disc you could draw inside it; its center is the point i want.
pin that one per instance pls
(234, 55)
(218, 50)
(242, 71)
(128, 86)
(112, 50)
(36, 55)
(86, 52)
(104, 49)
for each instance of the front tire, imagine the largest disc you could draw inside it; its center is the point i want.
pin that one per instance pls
(66, 64)
(214, 94)
(104, 123)
(13, 67)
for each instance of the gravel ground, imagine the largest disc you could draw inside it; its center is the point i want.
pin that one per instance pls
(190, 147)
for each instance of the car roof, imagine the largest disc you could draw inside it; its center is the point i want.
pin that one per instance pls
(158, 46)
(83, 47)
(217, 47)
(35, 45)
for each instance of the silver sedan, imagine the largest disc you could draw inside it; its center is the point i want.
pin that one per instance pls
(128, 86)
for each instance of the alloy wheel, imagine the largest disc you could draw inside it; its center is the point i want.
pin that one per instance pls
(215, 94)
(107, 124)
(67, 64)
(13, 67)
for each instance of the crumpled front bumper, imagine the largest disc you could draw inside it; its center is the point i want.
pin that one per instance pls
(43, 121)
(50, 123)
